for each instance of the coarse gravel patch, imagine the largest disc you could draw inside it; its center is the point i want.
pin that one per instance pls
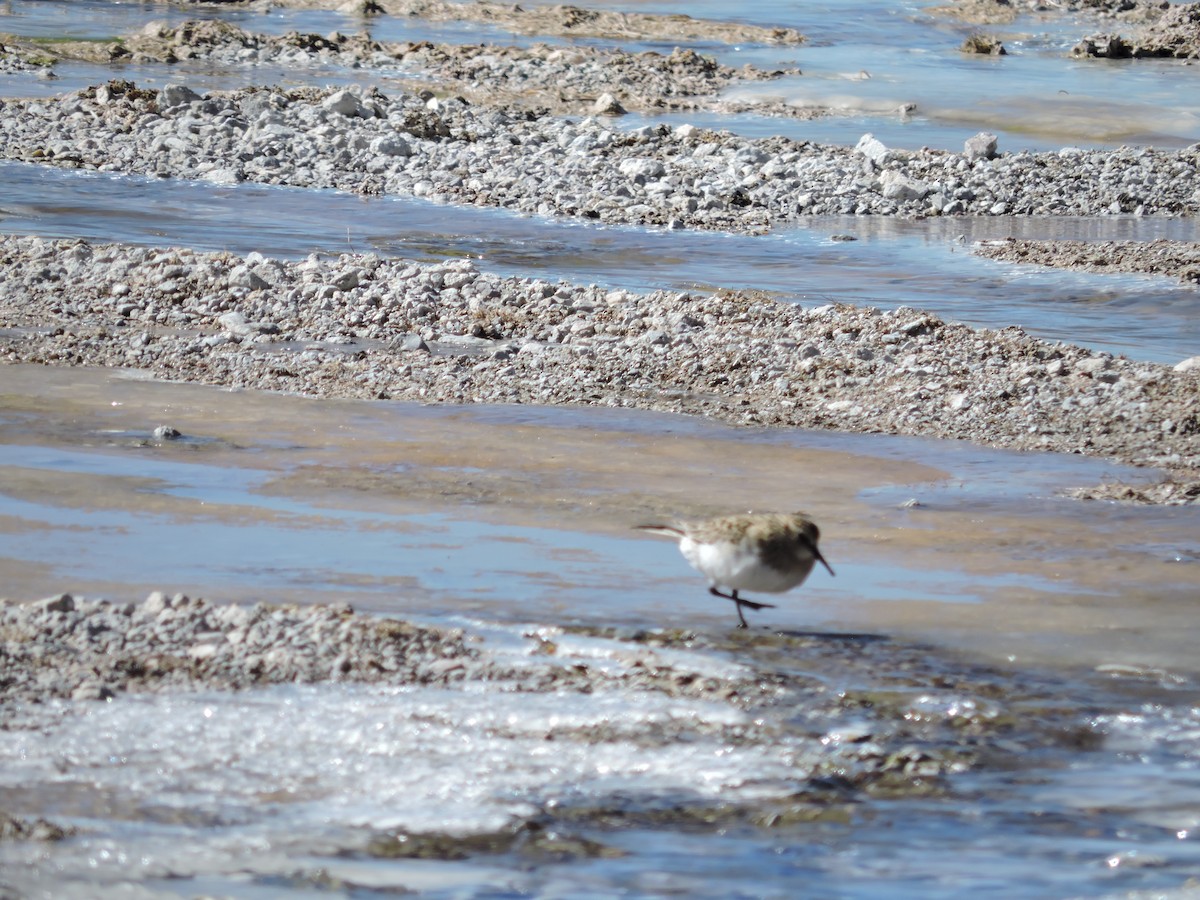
(1003, 12)
(364, 141)
(1173, 33)
(544, 77)
(1174, 259)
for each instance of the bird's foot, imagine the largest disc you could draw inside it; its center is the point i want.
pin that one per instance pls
(754, 604)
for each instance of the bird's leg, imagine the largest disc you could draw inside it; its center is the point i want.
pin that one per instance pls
(733, 595)
(754, 604)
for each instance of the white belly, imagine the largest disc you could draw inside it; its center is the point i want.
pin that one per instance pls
(735, 567)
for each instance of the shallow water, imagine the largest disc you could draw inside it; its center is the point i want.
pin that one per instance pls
(509, 520)
(926, 265)
(526, 515)
(316, 764)
(865, 58)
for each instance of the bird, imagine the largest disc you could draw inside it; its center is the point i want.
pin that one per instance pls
(769, 552)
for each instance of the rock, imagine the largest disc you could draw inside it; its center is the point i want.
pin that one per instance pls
(235, 323)
(656, 338)
(984, 45)
(167, 433)
(59, 603)
(157, 602)
(874, 150)
(606, 105)
(173, 95)
(1103, 46)
(642, 168)
(223, 175)
(1191, 364)
(391, 145)
(1093, 365)
(414, 342)
(344, 103)
(244, 276)
(913, 327)
(93, 690)
(981, 146)
(898, 186)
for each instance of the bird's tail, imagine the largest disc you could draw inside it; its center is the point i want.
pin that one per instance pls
(668, 530)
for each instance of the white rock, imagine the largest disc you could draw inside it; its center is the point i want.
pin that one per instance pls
(898, 186)
(222, 176)
(344, 103)
(981, 146)
(391, 145)
(607, 105)
(175, 95)
(1092, 365)
(156, 602)
(646, 168)
(874, 150)
(235, 323)
(202, 651)
(1190, 364)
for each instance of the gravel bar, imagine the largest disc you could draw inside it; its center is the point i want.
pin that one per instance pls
(409, 145)
(368, 327)
(1175, 259)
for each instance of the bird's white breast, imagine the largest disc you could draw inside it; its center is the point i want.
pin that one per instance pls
(738, 566)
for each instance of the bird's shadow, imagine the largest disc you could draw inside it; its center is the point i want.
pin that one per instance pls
(848, 637)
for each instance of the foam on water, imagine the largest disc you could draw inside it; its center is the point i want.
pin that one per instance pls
(148, 775)
(327, 757)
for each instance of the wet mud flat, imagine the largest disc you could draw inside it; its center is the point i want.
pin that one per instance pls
(120, 484)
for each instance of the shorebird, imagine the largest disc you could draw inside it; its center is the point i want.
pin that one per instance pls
(768, 552)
